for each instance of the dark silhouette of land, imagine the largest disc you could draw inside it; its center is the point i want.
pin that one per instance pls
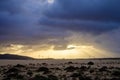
(14, 57)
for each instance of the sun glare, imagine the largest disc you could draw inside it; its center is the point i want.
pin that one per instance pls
(50, 1)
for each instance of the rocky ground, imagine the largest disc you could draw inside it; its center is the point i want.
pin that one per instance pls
(62, 70)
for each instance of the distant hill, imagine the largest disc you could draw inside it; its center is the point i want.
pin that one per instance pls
(14, 57)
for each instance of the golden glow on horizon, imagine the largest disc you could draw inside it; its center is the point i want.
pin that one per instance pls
(76, 52)
(72, 52)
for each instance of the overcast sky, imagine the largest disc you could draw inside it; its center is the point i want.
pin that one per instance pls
(27, 26)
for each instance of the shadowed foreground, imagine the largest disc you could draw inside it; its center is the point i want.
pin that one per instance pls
(62, 70)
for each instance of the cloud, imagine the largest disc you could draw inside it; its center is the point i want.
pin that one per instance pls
(100, 10)
(109, 41)
(88, 16)
(32, 23)
(95, 27)
(28, 16)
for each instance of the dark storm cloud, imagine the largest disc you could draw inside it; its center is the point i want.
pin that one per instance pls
(11, 6)
(21, 17)
(102, 10)
(95, 27)
(11, 18)
(84, 15)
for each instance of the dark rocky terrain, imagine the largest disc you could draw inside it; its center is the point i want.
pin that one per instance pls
(58, 70)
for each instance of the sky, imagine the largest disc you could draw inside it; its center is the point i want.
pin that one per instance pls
(60, 28)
